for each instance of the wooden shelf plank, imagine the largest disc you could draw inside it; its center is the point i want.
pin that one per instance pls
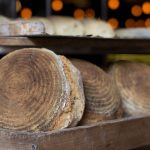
(77, 45)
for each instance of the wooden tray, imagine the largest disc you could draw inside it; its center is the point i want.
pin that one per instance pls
(121, 134)
(127, 133)
(77, 45)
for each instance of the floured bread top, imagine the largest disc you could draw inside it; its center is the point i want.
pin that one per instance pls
(66, 26)
(133, 33)
(97, 27)
(15, 28)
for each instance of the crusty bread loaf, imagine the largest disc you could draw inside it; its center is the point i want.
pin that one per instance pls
(102, 98)
(15, 28)
(35, 93)
(133, 33)
(76, 94)
(97, 27)
(133, 83)
(66, 26)
(40, 91)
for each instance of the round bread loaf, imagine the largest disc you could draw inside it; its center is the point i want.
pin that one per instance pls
(15, 28)
(34, 91)
(76, 93)
(97, 27)
(66, 26)
(102, 99)
(133, 33)
(133, 83)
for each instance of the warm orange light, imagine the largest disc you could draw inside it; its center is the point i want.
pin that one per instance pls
(57, 5)
(113, 22)
(146, 7)
(18, 6)
(79, 14)
(136, 10)
(140, 23)
(113, 4)
(130, 23)
(26, 13)
(147, 22)
(90, 13)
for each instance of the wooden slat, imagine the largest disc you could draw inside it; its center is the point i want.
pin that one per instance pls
(121, 134)
(77, 45)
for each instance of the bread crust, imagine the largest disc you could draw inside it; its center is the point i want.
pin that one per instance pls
(76, 93)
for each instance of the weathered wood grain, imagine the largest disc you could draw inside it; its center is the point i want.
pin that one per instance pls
(121, 134)
(77, 45)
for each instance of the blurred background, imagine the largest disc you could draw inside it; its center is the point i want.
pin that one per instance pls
(119, 13)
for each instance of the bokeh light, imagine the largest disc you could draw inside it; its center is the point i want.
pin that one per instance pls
(57, 5)
(113, 4)
(136, 10)
(113, 22)
(90, 13)
(18, 6)
(26, 13)
(146, 7)
(79, 14)
(140, 23)
(130, 23)
(147, 22)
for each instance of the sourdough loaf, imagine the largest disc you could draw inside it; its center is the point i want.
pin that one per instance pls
(39, 91)
(102, 98)
(35, 94)
(133, 33)
(133, 83)
(15, 28)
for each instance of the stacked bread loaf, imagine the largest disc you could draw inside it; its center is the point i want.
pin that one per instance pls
(15, 28)
(136, 33)
(102, 98)
(39, 91)
(57, 25)
(42, 91)
(133, 83)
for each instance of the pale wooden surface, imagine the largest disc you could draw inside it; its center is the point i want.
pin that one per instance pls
(112, 135)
